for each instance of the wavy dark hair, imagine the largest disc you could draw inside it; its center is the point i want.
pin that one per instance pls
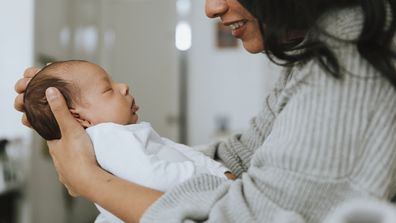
(279, 19)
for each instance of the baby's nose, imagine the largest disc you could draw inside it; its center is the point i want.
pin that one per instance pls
(124, 89)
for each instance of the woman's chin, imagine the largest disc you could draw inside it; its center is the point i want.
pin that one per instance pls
(253, 47)
(254, 50)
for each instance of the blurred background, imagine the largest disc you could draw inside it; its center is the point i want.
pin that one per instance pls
(192, 80)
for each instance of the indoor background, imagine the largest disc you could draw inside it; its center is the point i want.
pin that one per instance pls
(192, 80)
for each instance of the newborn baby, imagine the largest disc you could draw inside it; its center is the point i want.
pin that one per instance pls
(107, 110)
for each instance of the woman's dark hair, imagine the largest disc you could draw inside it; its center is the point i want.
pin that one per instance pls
(36, 107)
(280, 19)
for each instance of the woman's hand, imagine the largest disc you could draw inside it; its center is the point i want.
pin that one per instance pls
(230, 175)
(73, 155)
(73, 159)
(20, 88)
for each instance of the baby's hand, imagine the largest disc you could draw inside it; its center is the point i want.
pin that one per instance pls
(230, 175)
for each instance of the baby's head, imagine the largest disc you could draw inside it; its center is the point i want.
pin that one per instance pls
(91, 95)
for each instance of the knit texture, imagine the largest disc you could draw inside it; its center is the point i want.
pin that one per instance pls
(317, 142)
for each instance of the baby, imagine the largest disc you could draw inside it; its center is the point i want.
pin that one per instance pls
(107, 110)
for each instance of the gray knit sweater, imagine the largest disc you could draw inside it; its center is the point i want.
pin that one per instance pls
(317, 142)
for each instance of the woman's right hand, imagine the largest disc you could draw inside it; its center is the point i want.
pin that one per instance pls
(20, 87)
(72, 154)
(73, 136)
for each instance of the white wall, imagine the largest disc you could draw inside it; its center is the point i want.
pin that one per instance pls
(16, 53)
(222, 82)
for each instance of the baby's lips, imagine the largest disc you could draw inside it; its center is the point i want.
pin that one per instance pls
(135, 108)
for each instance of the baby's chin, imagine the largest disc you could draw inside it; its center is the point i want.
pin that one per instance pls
(134, 119)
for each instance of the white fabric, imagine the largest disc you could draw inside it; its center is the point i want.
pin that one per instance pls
(138, 154)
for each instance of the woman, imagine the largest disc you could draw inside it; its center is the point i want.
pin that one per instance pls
(325, 134)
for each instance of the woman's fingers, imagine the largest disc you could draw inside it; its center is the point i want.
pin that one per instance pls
(25, 121)
(67, 124)
(18, 105)
(20, 85)
(230, 175)
(18, 102)
(30, 72)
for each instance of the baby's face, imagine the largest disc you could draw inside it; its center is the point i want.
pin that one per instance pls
(102, 100)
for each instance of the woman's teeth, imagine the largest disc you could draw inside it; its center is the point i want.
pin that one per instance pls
(236, 25)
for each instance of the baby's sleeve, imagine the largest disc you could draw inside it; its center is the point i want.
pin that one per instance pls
(203, 163)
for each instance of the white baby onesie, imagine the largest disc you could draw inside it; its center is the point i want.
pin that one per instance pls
(138, 154)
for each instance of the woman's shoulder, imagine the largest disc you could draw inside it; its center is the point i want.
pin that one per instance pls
(359, 81)
(343, 24)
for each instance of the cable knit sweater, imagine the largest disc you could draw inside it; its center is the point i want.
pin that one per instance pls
(317, 142)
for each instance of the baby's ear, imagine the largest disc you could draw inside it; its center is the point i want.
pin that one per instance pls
(85, 123)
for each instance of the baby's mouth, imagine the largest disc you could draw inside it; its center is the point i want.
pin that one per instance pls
(134, 107)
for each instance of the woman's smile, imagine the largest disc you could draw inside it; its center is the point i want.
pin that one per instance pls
(238, 28)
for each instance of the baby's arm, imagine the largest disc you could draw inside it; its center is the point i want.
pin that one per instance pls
(202, 160)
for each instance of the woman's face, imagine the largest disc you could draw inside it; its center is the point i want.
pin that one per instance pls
(244, 26)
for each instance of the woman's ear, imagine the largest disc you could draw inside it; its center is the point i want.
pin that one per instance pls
(84, 122)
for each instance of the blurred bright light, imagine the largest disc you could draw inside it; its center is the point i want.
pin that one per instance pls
(64, 37)
(86, 39)
(183, 36)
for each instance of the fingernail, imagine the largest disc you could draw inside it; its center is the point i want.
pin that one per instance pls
(51, 93)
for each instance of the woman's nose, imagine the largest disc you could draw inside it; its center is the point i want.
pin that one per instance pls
(215, 8)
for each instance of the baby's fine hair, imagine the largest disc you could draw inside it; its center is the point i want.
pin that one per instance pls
(36, 107)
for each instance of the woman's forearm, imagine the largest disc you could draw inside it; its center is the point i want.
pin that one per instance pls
(126, 200)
